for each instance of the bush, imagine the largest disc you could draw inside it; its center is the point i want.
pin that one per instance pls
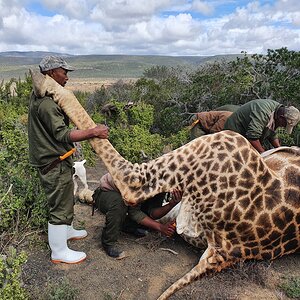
(291, 287)
(61, 291)
(179, 139)
(142, 115)
(131, 141)
(21, 195)
(10, 276)
(285, 139)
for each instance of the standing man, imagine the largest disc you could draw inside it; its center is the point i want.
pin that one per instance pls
(50, 138)
(258, 120)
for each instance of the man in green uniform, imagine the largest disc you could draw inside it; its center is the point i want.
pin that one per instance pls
(119, 217)
(258, 120)
(49, 138)
(213, 121)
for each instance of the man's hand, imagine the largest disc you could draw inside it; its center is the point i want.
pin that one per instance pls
(175, 197)
(101, 131)
(257, 145)
(78, 135)
(168, 229)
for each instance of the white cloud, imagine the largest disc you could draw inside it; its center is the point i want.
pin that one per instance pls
(78, 9)
(166, 27)
(163, 31)
(203, 7)
(119, 14)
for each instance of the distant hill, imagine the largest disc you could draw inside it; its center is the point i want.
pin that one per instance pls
(15, 64)
(34, 54)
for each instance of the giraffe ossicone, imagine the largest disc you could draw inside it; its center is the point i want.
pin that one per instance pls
(243, 205)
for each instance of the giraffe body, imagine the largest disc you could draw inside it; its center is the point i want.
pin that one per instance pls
(244, 206)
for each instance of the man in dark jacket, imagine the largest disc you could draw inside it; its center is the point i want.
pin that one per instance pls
(258, 120)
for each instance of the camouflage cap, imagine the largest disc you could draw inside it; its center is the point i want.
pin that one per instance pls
(54, 62)
(292, 116)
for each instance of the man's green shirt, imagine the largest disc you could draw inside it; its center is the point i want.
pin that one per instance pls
(252, 118)
(48, 132)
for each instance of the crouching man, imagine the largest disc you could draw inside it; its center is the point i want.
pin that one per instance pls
(133, 220)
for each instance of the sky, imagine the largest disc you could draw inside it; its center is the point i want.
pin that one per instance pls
(149, 27)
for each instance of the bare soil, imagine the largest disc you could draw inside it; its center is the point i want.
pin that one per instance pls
(148, 268)
(91, 84)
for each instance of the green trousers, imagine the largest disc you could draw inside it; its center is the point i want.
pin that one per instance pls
(112, 205)
(59, 189)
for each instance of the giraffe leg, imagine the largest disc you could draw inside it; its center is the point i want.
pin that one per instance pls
(211, 260)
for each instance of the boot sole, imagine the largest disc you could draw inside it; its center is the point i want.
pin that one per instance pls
(56, 261)
(76, 238)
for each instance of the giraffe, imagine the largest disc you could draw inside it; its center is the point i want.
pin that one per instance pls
(241, 207)
(278, 159)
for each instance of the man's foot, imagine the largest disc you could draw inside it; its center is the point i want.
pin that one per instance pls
(114, 252)
(138, 232)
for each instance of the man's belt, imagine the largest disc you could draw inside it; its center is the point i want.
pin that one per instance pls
(50, 166)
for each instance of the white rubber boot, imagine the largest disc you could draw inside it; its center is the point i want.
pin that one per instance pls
(74, 234)
(60, 253)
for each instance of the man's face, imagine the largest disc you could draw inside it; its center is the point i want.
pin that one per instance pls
(60, 76)
(281, 121)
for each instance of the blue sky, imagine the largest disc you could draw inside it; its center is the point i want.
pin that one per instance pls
(156, 27)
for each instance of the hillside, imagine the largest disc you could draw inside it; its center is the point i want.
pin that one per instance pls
(16, 64)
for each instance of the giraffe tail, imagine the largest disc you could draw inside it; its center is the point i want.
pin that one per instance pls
(211, 261)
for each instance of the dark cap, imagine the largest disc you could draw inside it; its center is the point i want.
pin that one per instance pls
(54, 62)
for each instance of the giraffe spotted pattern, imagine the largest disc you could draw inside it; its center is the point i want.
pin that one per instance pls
(240, 205)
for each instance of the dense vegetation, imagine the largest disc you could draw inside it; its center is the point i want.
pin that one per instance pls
(145, 118)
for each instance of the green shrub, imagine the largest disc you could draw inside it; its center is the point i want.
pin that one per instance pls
(291, 287)
(130, 130)
(21, 195)
(10, 276)
(285, 139)
(296, 136)
(141, 114)
(169, 121)
(130, 141)
(179, 139)
(61, 291)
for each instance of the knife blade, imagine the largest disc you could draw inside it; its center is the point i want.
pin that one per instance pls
(55, 162)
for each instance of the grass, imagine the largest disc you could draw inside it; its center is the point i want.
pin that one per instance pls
(61, 291)
(291, 287)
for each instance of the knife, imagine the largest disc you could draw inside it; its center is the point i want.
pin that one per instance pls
(57, 161)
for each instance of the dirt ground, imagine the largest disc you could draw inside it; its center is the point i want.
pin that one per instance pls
(91, 84)
(149, 268)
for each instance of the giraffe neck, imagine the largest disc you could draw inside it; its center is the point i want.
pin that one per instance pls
(124, 173)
